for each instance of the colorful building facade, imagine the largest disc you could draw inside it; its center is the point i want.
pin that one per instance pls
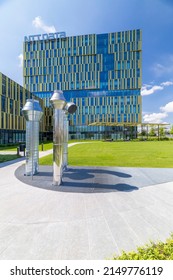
(101, 73)
(12, 99)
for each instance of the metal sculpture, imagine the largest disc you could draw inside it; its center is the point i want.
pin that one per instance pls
(60, 134)
(32, 113)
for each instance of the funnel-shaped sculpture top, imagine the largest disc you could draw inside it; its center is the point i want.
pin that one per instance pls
(58, 100)
(71, 107)
(32, 110)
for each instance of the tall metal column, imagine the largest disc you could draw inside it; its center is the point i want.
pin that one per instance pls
(32, 113)
(71, 109)
(59, 103)
(60, 134)
(65, 149)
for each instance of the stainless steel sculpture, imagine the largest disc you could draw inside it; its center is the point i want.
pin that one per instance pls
(59, 103)
(32, 113)
(65, 141)
(69, 108)
(60, 134)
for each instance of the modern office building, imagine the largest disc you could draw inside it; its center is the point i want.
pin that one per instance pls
(12, 99)
(101, 73)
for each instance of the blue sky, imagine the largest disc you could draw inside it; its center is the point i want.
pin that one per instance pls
(155, 17)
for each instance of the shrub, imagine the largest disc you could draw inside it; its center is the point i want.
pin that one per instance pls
(151, 251)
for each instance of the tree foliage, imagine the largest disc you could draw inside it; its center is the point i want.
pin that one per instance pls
(171, 130)
(152, 131)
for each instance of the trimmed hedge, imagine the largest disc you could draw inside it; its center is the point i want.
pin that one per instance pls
(151, 251)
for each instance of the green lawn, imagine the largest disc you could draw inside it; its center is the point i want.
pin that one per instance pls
(127, 154)
(46, 146)
(4, 158)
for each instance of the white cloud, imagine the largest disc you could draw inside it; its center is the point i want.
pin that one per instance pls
(148, 89)
(20, 57)
(164, 69)
(168, 108)
(39, 23)
(168, 83)
(158, 69)
(155, 117)
(158, 117)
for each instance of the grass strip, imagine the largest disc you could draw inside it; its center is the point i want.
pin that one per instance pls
(4, 158)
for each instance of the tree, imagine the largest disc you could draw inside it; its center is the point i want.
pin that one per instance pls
(152, 132)
(162, 131)
(171, 130)
(143, 132)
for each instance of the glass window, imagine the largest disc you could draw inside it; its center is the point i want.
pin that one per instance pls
(128, 83)
(83, 101)
(138, 72)
(119, 37)
(137, 55)
(119, 65)
(128, 46)
(138, 34)
(31, 55)
(34, 46)
(3, 103)
(69, 51)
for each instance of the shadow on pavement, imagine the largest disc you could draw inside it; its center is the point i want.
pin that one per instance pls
(83, 173)
(79, 180)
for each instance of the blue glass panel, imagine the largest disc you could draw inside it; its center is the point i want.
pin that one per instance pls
(108, 62)
(102, 43)
(138, 72)
(96, 93)
(138, 34)
(137, 55)
(83, 119)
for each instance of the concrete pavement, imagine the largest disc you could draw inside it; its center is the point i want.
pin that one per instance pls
(96, 213)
